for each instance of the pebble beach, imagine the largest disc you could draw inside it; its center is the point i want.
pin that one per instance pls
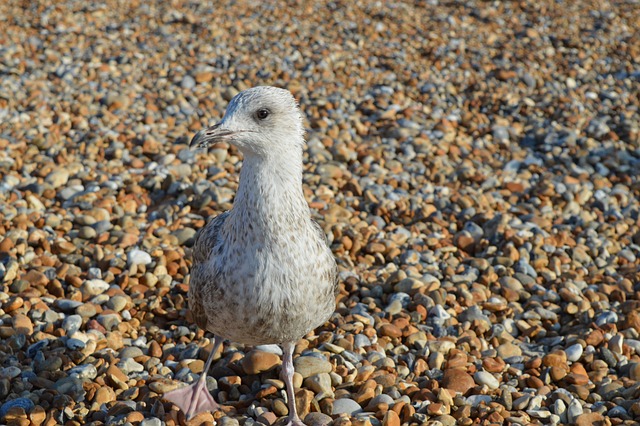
(475, 166)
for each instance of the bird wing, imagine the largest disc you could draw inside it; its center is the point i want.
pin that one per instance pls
(205, 241)
(331, 272)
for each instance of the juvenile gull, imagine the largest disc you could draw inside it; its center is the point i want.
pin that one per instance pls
(262, 272)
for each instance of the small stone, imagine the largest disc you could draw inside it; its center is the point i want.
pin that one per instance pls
(457, 380)
(522, 402)
(320, 384)
(22, 324)
(130, 352)
(345, 406)
(317, 419)
(71, 324)
(37, 416)
(309, 366)
(574, 352)
(485, 378)
(117, 303)
(138, 257)
(391, 418)
(588, 419)
(256, 362)
(103, 395)
(508, 350)
(57, 178)
(94, 287)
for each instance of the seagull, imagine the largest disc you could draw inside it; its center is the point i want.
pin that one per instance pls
(262, 272)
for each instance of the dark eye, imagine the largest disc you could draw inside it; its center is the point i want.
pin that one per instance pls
(262, 113)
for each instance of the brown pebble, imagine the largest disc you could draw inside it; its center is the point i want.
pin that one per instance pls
(390, 330)
(391, 419)
(103, 395)
(557, 373)
(595, 338)
(22, 324)
(555, 359)
(256, 362)
(457, 380)
(135, 417)
(155, 349)
(12, 304)
(37, 416)
(589, 419)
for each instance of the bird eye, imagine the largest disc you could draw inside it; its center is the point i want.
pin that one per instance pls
(262, 113)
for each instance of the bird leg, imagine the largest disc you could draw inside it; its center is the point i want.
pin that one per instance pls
(287, 375)
(196, 398)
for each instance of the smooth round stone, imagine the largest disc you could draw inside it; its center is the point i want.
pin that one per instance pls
(508, 350)
(117, 303)
(131, 352)
(361, 341)
(226, 421)
(256, 362)
(86, 310)
(574, 352)
(274, 349)
(71, 324)
(67, 305)
(87, 233)
(317, 419)
(57, 178)
(138, 257)
(607, 317)
(94, 287)
(320, 384)
(71, 386)
(486, 378)
(345, 406)
(309, 366)
(381, 399)
(108, 321)
(184, 235)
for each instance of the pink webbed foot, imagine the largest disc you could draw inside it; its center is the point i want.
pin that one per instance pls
(193, 399)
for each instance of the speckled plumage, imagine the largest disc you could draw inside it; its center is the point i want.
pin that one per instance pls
(262, 272)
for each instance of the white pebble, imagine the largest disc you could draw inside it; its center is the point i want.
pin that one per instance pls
(138, 257)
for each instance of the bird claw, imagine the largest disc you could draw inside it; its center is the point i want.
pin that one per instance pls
(193, 399)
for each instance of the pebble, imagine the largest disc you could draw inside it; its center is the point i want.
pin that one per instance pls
(487, 379)
(345, 406)
(308, 366)
(138, 257)
(257, 361)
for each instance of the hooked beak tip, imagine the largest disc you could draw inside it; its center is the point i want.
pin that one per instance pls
(198, 140)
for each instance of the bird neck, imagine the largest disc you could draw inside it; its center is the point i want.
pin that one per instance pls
(270, 189)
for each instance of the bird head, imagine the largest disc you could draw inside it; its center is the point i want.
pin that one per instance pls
(259, 121)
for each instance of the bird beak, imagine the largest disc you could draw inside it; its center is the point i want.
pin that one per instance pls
(210, 136)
